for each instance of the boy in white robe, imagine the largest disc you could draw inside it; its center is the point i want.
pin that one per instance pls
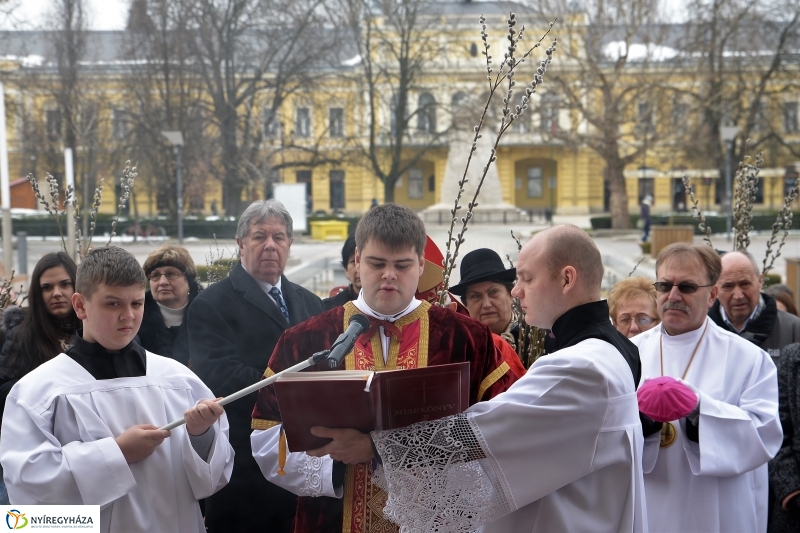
(707, 471)
(83, 427)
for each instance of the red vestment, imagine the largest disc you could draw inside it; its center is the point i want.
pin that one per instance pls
(429, 336)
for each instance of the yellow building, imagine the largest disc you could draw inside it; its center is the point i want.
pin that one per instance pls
(535, 171)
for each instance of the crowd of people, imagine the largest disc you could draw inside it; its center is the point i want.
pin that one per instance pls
(106, 353)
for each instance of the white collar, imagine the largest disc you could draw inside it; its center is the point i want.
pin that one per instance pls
(362, 306)
(688, 339)
(266, 287)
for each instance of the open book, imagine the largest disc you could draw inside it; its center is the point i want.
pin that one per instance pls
(367, 400)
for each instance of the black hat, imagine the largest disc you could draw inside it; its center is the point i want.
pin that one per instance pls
(480, 265)
(348, 249)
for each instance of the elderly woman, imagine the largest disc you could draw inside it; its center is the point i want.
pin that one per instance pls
(485, 290)
(173, 287)
(632, 304)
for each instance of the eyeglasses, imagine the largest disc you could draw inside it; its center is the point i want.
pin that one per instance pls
(685, 287)
(171, 275)
(641, 320)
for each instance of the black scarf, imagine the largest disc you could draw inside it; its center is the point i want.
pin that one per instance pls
(758, 330)
(591, 321)
(130, 362)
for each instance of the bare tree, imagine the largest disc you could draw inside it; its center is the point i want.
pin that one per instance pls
(609, 78)
(745, 63)
(251, 55)
(399, 43)
(163, 94)
(74, 121)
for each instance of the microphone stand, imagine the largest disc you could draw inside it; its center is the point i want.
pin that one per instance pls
(313, 360)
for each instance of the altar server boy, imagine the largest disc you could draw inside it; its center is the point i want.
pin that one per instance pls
(83, 427)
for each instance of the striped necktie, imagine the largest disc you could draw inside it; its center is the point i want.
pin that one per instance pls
(275, 292)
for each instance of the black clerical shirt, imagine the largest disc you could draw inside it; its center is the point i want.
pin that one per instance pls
(130, 362)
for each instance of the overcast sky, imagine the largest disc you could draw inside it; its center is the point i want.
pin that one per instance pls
(113, 14)
(103, 14)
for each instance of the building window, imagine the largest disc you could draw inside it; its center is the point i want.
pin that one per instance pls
(534, 182)
(336, 122)
(759, 192)
(53, 123)
(473, 50)
(426, 113)
(680, 116)
(415, 183)
(88, 124)
(271, 124)
(549, 113)
(790, 117)
(119, 124)
(644, 117)
(302, 123)
(337, 189)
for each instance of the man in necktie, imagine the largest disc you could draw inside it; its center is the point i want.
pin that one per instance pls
(233, 327)
(335, 495)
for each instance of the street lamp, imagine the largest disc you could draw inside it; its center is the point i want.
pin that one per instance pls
(175, 138)
(728, 136)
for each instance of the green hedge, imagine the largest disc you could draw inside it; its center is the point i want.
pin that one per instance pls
(203, 229)
(45, 226)
(760, 222)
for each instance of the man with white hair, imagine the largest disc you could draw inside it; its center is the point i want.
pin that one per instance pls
(742, 308)
(706, 470)
(233, 327)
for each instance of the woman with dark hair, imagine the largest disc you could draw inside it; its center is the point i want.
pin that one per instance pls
(45, 329)
(48, 326)
(173, 288)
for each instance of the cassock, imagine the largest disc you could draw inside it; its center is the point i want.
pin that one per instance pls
(58, 444)
(558, 451)
(712, 476)
(344, 499)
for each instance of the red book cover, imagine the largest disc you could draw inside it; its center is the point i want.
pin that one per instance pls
(340, 399)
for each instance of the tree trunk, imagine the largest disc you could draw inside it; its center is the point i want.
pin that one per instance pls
(620, 217)
(388, 189)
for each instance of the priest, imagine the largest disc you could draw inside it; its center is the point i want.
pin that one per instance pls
(705, 466)
(335, 483)
(560, 449)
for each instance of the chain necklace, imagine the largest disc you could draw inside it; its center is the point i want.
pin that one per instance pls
(691, 359)
(668, 432)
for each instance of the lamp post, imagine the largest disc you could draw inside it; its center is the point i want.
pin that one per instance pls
(728, 136)
(175, 138)
(5, 186)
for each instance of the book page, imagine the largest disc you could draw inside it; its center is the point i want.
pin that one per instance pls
(333, 375)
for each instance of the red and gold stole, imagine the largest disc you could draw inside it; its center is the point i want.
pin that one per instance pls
(364, 502)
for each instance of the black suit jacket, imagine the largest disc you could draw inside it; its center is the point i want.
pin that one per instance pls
(233, 328)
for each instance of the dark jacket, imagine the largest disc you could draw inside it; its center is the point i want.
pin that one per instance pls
(12, 318)
(771, 331)
(344, 296)
(784, 469)
(233, 328)
(156, 337)
(9, 326)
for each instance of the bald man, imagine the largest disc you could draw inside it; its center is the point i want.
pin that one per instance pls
(560, 449)
(743, 309)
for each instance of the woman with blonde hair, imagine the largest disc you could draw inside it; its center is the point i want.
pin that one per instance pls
(173, 287)
(632, 305)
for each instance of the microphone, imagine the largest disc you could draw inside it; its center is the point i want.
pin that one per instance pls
(355, 327)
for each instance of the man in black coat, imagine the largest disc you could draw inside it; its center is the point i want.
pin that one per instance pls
(234, 326)
(743, 309)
